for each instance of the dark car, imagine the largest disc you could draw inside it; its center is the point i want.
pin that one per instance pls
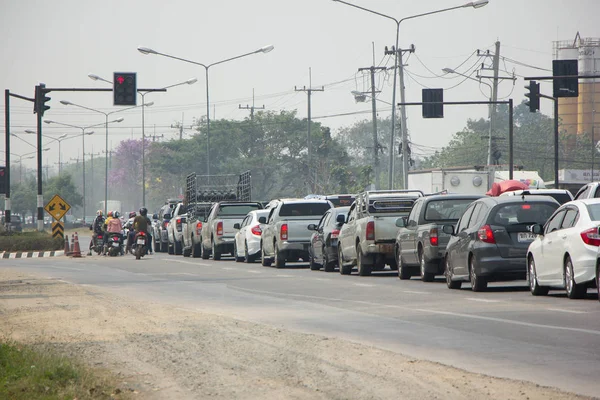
(15, 222)
(491, 238)
(160, 223)
(323, 242)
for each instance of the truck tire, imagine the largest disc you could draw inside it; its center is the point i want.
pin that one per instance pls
(187, 252)
(265, 262)
(364, 269)
(344, 269)
(178, 247)
(425, 276)
(196, 250)
(215, 252)
(279, 258)
(403, 272)
(205, 253)
(171, 249)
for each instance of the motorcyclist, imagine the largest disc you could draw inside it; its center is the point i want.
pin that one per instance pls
(96, 227)
(129, 231)
(114, 226)
(142, 223)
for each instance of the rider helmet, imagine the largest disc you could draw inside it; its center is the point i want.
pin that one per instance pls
(132, 214)
(110, 213)
(99, 213)
(117, 214)
(143, 211)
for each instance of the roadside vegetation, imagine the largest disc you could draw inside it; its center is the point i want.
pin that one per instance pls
(29, 373)
(29, 241)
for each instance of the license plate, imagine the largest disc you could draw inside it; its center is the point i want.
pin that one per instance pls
(115, 244)
(141, 241)
(525, 237)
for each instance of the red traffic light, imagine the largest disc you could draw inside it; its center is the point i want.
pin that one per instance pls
(120, 79)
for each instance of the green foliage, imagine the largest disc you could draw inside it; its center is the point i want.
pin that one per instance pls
(30, 373)
(64, 186)
(29, 241)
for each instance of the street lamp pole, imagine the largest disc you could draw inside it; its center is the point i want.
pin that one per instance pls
(400, 67)
(146, 51)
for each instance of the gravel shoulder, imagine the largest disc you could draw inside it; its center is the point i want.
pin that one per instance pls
(164, 352)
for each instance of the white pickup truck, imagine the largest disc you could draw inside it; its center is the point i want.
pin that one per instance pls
(367, 238)
(218, 233)
(286, 236)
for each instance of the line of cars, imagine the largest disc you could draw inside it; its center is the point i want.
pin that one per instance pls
(464, 238)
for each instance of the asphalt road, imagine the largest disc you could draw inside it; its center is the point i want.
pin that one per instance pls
(504, 332)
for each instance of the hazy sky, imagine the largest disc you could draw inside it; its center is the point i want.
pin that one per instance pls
(60, 42)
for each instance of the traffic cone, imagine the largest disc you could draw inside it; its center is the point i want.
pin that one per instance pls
(72, 242)
(76, 250)
(67, 247)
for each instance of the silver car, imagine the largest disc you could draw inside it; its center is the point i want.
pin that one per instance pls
(247, 238)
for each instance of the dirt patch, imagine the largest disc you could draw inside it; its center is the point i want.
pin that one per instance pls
(164, 352)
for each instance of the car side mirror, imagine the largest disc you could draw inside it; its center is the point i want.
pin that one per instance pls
(236, 225)
(154, 216)
(449, 229)
(401, 222)
(312, 227)
(262, 220)
(537, 229)
(341, 219)
(166, 216)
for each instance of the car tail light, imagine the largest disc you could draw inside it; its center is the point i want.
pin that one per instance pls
(591, 237)
(486, 234)
(335, 233)
(198, 228)
(220, 228)
(433, 237)
(100, 236)
(178, 224)
(165, 224)
(284, 232)
(371, 230)
(256, 230)
(142, 233)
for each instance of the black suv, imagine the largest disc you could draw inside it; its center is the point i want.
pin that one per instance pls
(15, 222)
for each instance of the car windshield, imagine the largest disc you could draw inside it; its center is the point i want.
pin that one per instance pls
(303, 209)
(236, 209)
(523, 213)
(594, 210)
(446, 209)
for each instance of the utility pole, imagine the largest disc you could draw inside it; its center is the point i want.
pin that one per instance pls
(376, 170)
(496, 66)
(246, 107)
(177, 126)
(311, 181)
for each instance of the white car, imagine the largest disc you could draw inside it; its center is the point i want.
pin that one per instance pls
(563, 256)
(247, 238)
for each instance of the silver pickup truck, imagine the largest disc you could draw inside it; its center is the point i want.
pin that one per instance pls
(286, 236)
(218, 233)
(368, 235)
(420, 243)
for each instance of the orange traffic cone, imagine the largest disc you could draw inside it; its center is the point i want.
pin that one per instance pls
(76, 249)
(72, 242)
(67, 247)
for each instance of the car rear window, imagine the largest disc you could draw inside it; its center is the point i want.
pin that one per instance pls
(562, 198)
(594, 210)
(236, 209)
(522, 213)
(446, 209)
(391, 205)
(341, 201)
(304, 209)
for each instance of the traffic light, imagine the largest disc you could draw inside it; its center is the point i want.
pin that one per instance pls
(565, 87)
(2, 180)
(124, 89)
(533, 95)
(39, 103)
(433, 106)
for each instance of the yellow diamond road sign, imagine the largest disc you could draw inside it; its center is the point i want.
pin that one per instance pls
(57, 207)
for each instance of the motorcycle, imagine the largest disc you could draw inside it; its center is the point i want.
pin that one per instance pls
(98, 243)
(114, 247)
(140, 246)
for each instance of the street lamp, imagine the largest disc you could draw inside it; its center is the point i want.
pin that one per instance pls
(58, 139)
(265, 49)
(83, 133)
(190, 81)
(23, 140)
(21, 158)
(491, 113)
(474, 4)
(106, 115)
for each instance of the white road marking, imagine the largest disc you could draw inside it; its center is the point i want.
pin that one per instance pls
(227, 268)
(285, 276)
(72, 269)
(500, 320)
(415, 292)
(567, 311)
(322, 279)
(482, 300)
(172, 273)
(363, 284)
(186, 262)
(253, 272)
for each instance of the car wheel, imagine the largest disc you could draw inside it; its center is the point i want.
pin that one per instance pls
(247, 257)
(235, 253)
(205, 254)
(197, 250)
(311, 262)
(157, 246)
(425, 276)
(574, 291)
(478, 283)
(452, 284)
(328, 266)
(403, 272)
(178, 248)
(598, 281)
(215, 252)
(171, 249)
(364, 269)
(344, 269)
(279, 258)
(534, 287)
(266, 262)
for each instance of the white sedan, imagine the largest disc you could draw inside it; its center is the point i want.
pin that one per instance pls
(247, 238)
(563, 256)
